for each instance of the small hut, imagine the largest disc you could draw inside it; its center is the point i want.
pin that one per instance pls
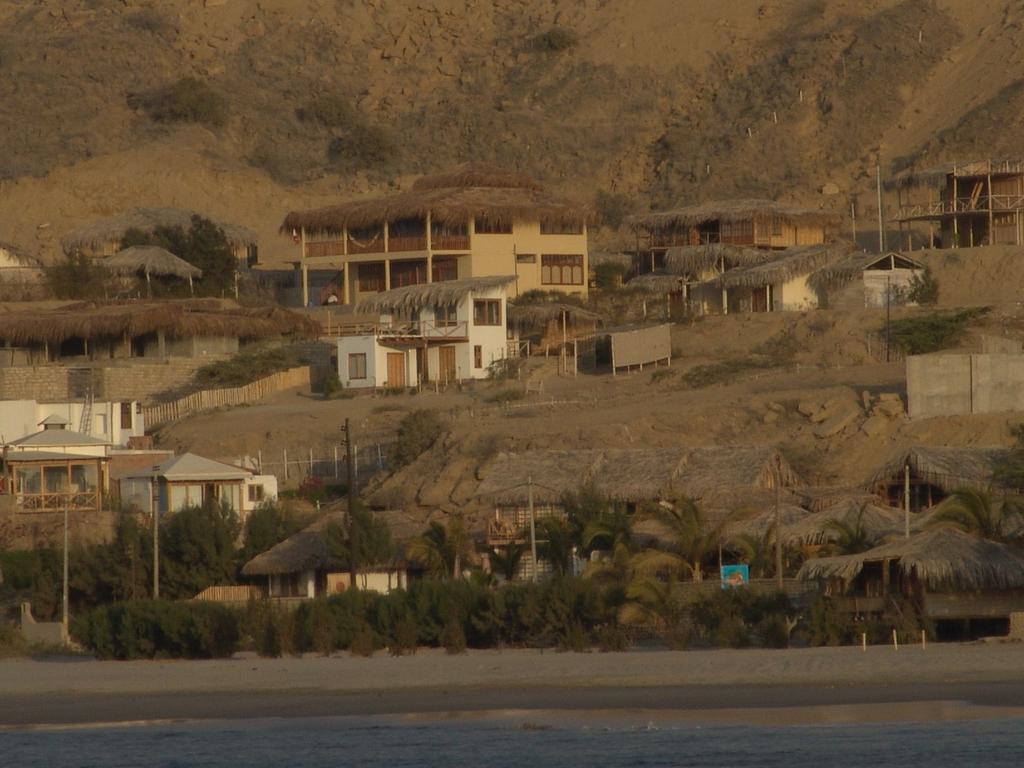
(151, 261)
(867, 281)
(303, 566)
(933, 473)
(945, 573)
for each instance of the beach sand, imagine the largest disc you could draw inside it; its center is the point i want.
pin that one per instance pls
(816, 685)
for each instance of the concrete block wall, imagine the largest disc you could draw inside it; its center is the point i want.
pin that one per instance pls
(958, 384)
(135, 379)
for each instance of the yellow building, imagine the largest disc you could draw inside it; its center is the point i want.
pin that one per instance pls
(473, 221)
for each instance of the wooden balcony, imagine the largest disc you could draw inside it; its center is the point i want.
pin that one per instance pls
(443, 242)
(961, 205)
(325, 248)
(412, 243)
(58, 501)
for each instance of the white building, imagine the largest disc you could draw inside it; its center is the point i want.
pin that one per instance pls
(112, 422)
(191, 480)
(439, 332)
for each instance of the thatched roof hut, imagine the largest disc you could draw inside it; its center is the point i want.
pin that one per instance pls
(942, 559)
(657, 282)
(150, 260)
(947, 468)
(176, 319)
(538, 314)
(782, 266)
(936, 175)
(98, 234)
(411, 298)
(19, 254)
(454, 197)
(306, 550)
(731, 211)
(695, 259)
(632, 474)
(814, 527)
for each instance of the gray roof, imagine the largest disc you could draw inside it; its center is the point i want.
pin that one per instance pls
(15, 456)
(54, 419)
(188, 466)
(54, 437)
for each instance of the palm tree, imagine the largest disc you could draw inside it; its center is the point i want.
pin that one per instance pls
(692, 539)
(505, 560)
(440, 548)
(758, 552)
(650, 604)
(555, 544)
(852, 537)
(976, 511)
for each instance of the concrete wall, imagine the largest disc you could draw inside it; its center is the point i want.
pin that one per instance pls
(955, 384)
(19, 418)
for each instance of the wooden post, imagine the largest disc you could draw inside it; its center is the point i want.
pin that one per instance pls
(864, 641)
(310, 462)
(881, 224)
(924, 640)
(778, 523)
(906, 501)
(533, 526)
(991, 230)
(430, 250)
(305, 271)
(353, 529)
(956, 228)
(895, 641)
(347, 288)
(285, 464)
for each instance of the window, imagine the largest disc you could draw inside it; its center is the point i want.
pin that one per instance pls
(357, 365)
(478, 356)
(776, 226)
(561, 269)
(445, 317)
(255, 493)
(487, 312)
(445, 268)
(561, 228)
(492, 227)
(526, 258)
(370, 277)
(737, 232)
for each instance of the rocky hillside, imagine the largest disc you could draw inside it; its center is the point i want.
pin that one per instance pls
(631, 103)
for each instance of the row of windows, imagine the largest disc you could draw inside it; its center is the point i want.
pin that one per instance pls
(357, 370)
(491, 227)
(561, 269)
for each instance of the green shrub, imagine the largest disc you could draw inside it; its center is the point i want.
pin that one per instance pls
(189, 100)
(78, 277)
(364, 146)
(923, 288)
(556, 39)
(827, 625)
(245, 367)
(609, 275)
(933, 332)
(405, 639)
(453, 637)
(332, 386)
(147, 629)
(662, 374)
(733, 618)
(362, 641)
(329, 110)
(417, 433)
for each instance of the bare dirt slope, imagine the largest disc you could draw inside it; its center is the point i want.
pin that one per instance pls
(658, 100)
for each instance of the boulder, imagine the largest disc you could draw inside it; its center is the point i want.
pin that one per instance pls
(770, 418)
(838, 421)
(891, 409)
(874, 425)
(808, 407)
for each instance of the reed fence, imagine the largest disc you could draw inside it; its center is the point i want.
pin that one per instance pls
(208, 399)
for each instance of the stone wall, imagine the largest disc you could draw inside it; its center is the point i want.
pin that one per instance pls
(135, 379)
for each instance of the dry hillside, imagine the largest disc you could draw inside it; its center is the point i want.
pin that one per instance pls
(659, 101)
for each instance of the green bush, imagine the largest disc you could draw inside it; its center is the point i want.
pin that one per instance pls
(733, 618)
(556, 39)
(933, 332)
(245, 367)
(827, 625)
(609, 275)
(417, 433)
(329, 110)
(78, 277)
(923, 288)
(364, 146)
(188, 100)
(405, 639)
(453, 637)
(148, 629)
(362, 641)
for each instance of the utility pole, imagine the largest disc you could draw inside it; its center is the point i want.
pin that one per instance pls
(533, 527)
(881, 226)
(156, 551)
(353, 529)
(906, 501)
(64, 592)
(778, 521)
(888, 315)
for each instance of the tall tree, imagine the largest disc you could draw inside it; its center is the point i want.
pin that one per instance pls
(372, 538)
(691, 539)
(203, 245)
(978, 512)
(441, 548)
(197, 550)
(556, 544)
(505, 560)
(851, 536)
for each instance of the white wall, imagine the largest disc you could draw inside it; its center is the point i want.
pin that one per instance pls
(367, 345)
(269, 485)
(20, 418)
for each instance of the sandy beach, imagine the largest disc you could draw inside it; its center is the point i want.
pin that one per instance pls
(798, 685)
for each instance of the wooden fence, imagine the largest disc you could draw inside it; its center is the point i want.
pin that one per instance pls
(209, 399)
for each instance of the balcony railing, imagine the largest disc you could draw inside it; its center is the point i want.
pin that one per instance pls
(58, 501)
(981, 204)
(395, 244)
(400, 330)
(411, 243)
(442, 242)
(325, 248)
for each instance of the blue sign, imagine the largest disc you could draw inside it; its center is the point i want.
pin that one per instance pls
(735, 576)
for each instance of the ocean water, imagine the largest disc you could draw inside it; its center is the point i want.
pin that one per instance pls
(323, 742)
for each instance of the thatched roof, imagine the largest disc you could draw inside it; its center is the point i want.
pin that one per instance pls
(540, 313)
(657, 282)
(945, 467)
(835, 275)
(306, 550)
(695, 259)
(466, 192)
(99, 233)
(631, 474)
(940, 558)
(814, 528)
(176, 319)
(443, 294)
(150, 260)
(784, 265)
(731, 211)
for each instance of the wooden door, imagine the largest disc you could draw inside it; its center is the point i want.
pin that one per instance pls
(396, 369)
(446, 363)
(759, 300)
